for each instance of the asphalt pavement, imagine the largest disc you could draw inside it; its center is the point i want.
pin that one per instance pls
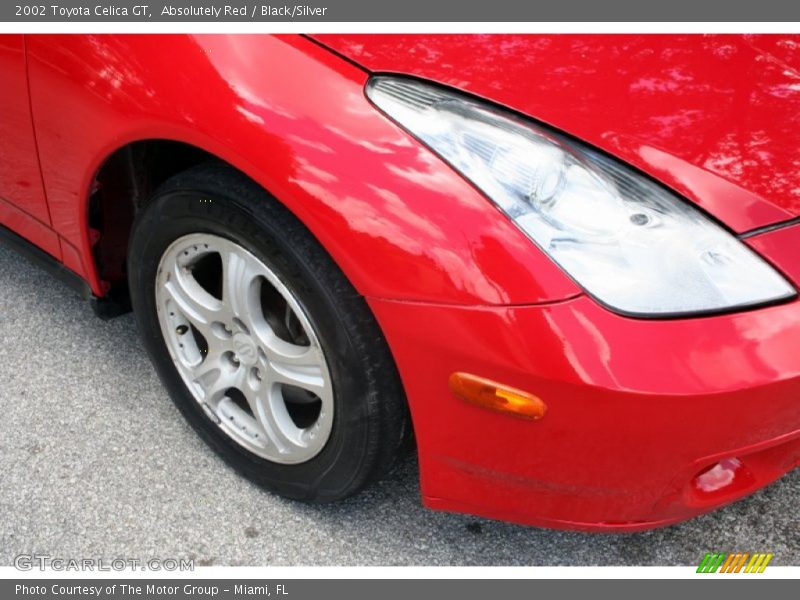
(96, 462)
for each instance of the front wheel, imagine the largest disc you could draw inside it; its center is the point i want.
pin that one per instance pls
(261, 341)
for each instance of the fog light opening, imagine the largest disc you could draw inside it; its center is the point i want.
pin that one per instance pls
(727, 477)
(719, 476)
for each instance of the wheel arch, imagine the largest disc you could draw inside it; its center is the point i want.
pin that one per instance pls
(123, 181)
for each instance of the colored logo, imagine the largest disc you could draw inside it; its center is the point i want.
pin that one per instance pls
(740, 562)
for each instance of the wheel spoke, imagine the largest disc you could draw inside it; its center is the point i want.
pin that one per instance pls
(301, 366)
(213, 378)
(239, 292)
(197, 305)
(275, 421)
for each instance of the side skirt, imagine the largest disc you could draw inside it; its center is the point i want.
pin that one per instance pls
(105, 308)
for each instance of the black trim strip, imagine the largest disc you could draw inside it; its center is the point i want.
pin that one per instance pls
(344, 57)
(45, 261)
(768, 228)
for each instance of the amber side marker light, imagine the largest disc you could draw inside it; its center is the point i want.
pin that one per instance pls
(496, 396)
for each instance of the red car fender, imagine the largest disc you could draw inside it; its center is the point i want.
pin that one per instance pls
(294, 117)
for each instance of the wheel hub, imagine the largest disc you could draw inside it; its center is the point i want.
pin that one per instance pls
(245, 349)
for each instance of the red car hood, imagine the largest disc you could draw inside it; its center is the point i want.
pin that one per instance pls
(717, 118)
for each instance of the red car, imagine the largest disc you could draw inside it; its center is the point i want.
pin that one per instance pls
(570, 261)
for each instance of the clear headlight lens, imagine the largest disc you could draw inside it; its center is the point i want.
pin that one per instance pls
(633, 245)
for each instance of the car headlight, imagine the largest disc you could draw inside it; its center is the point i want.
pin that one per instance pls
(629, 242)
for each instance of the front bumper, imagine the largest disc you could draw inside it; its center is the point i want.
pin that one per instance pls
(637, 409)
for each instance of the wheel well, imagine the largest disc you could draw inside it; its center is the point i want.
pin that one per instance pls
(123, 183)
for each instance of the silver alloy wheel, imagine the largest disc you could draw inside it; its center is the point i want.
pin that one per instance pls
(244, 347)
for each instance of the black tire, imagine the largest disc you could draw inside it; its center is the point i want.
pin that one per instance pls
(371, 424)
